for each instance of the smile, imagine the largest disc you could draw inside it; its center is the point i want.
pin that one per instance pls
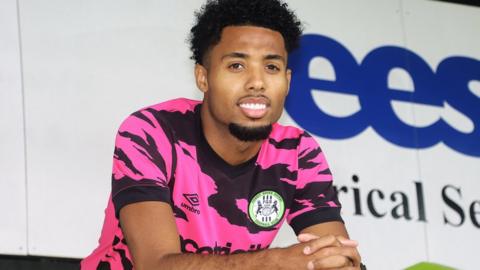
(253, 106)
(253, 110)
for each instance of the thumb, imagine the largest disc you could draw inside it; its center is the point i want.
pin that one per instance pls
(305, 237)
(347, 242)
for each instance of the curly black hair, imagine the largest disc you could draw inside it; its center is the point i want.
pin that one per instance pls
(217, 14)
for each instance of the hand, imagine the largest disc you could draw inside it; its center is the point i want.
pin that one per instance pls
(336, 252)
(305, 237)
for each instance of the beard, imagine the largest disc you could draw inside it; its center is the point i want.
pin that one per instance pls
(249, 134)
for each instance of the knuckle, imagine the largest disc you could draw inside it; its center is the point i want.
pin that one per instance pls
(347, 261)
(326, 252)
(356, 255)
(330, 238)
(353, 252)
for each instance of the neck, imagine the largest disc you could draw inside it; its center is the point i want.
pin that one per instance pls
(227, 146)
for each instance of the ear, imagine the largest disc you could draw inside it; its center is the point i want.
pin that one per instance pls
(289, 79)
(201, 77)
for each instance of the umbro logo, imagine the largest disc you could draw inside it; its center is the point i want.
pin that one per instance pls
(193, 200)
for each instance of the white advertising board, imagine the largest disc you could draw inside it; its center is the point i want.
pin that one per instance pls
(446, 38)
(87, 67)
(13, 223)
(391, 90)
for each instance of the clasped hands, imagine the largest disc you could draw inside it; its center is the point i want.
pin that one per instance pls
(330, 252)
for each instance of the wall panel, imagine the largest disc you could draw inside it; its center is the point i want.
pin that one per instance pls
(450, 168)
(13, 222)
(88, 65)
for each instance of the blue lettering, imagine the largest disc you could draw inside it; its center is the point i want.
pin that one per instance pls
(454, 74)
(449, 86)
(300, 104)
(376, 97)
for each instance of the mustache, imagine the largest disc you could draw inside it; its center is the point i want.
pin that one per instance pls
(256, 98)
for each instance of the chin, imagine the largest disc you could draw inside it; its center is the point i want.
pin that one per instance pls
(250, 133)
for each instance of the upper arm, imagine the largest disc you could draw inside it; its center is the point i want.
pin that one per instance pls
(150, 231)
(315, 200)
(142, 168)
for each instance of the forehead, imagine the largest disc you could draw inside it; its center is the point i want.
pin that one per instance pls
(251, 39)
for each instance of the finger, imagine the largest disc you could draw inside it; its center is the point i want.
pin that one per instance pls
(347, 242)
(319, 243)
(348, 252)
(355, 256)
(305, 237)
(331, 262)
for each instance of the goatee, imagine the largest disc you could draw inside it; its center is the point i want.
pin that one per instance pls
(249, 134)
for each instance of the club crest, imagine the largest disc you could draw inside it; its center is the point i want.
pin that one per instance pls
(266, 208)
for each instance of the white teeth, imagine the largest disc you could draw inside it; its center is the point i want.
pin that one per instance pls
(253, 106)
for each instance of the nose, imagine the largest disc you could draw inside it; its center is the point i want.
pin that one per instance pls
(256, 80)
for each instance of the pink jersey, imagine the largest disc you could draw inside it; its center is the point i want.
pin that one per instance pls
(161, 154)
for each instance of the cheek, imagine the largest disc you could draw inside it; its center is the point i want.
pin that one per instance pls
(279, 82)
(280, 91)
(279, 97)
(279, 104)
(221, 99)
(226, 91)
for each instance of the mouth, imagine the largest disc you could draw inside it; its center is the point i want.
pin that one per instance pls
(254, 107)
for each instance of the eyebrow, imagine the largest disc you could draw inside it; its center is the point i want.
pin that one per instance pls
(245, 56)
(274, 57)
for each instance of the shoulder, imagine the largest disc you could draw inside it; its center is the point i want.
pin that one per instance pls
(160, 115)
(289, 137)
(181, 105)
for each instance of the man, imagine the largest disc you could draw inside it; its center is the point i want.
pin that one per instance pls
(207, 185)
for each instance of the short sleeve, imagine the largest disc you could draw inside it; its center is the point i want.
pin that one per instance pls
(315, 198)
(141, 162)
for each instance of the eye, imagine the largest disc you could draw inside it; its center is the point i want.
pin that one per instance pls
(236, 66)
(273, 68)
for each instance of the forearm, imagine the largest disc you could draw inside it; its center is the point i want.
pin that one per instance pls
(269, 258)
